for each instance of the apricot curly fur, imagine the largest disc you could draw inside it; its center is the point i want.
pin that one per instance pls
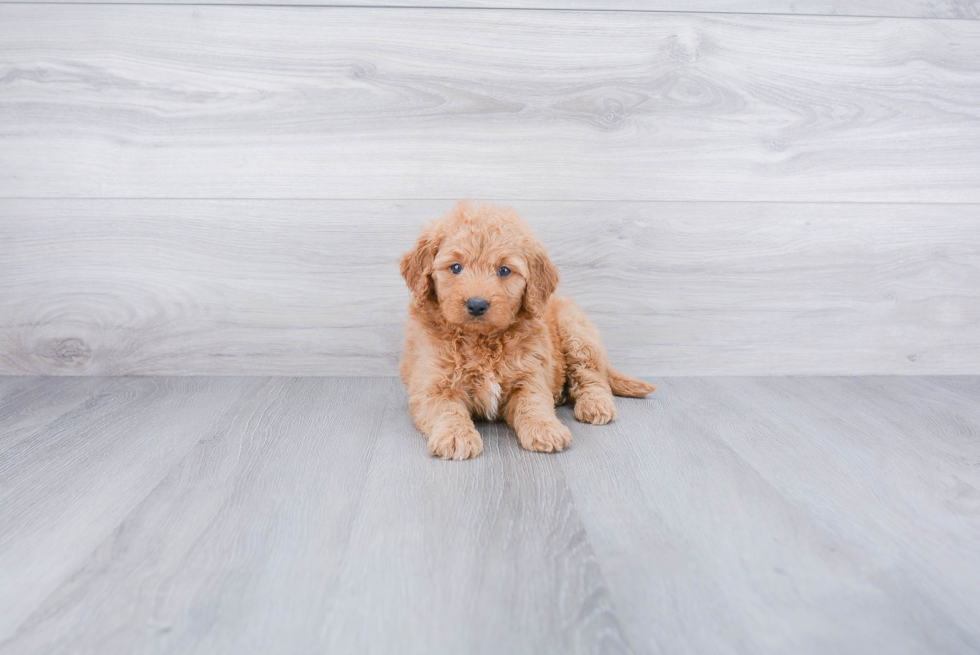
(516, 361)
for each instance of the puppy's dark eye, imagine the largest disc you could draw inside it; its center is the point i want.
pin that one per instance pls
(455, 269)
(503, 271)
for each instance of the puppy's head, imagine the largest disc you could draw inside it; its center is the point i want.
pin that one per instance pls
(480, 268)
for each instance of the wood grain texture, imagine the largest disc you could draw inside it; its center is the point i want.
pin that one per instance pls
(287, 515)
(486, 557)
(162, 287)
(29, 405)
(967, 387)
(964, 9)
(239, 547)
(64, 491)
(882, 475)
(301, 522)
(785, 515)
(286, 102)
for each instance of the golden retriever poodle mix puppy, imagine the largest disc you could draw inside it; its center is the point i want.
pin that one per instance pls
(487, 337)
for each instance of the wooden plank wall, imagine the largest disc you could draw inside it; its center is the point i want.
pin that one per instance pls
(887, 8)
(731, 189)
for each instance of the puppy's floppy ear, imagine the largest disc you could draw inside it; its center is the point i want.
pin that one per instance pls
(416, 266)
(542, 280)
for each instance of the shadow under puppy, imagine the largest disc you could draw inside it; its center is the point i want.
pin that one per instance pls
(486, 336)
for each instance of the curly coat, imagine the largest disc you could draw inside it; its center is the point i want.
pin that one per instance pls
(519, 359)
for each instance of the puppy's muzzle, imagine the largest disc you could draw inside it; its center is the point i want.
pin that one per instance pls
(477, 306)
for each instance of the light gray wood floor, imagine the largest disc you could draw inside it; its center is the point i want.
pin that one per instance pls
(292, 515)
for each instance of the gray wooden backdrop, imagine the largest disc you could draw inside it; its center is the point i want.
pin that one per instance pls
(730, 187)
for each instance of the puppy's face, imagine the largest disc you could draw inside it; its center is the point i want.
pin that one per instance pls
(479, 268)
(479, 281)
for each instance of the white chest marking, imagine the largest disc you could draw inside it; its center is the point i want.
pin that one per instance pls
(493, 402)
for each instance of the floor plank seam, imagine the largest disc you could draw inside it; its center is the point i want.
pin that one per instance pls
(356, 511)
(610, 596)
(113, 532)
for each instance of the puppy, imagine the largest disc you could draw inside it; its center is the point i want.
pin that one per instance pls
(486, 337)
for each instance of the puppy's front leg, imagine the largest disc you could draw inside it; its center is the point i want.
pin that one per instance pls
(531, 412)
(447, 425)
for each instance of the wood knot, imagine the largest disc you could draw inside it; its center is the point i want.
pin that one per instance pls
(69, 352)
(683, 48)
(613, 112)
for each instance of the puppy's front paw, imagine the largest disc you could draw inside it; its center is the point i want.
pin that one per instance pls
(597, 409)
(456, 444)
(549, 437)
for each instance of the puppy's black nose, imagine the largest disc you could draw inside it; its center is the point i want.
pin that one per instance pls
(477, 306)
